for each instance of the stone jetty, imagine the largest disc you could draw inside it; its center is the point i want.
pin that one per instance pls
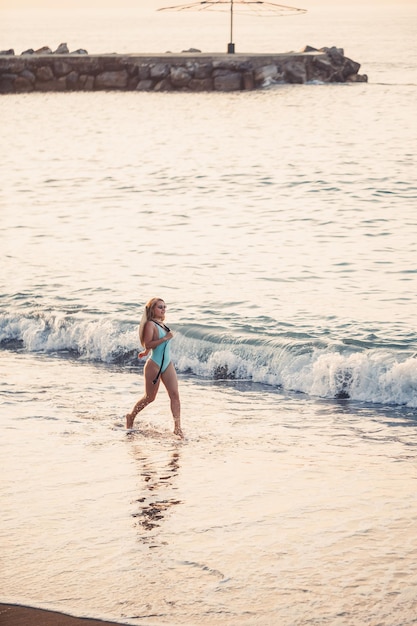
(192, 70)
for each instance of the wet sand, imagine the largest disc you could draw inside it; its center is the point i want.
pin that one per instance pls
(16, 615)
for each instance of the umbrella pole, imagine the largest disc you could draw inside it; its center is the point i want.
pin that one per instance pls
(231, 45)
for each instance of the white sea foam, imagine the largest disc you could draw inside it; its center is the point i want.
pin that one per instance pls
(370, 375)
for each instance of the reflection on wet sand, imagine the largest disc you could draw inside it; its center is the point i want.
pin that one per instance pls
(151, 509)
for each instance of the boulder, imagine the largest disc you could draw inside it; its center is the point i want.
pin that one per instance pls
(203, 70)
(248, 81)
(144, 72)
(132, 83)
(73, 80)
(61, 68)
(179, 77)
(265, 73)
(28, 75)
(62, 49)
(29, 51)
(336, 55)
(7, 83)
(87, 82)
(201, 84)
(295, 73)
(43, 50)
(321, 68)
(145, 85)
(9, 52)
(350, 67)
(163, 85)
(23, 85)
(159, 71)
(231, 81)
(357, 78)
(79, 51)
(192, 50)
(111, 80)
(58, 84)
(44, 73)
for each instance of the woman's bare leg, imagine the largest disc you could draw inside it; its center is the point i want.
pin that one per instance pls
(150, 371)
(169, 378)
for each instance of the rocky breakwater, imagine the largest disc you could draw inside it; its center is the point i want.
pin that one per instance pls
(45, 70)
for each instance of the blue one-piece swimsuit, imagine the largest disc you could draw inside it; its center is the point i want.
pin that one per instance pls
(158, 352)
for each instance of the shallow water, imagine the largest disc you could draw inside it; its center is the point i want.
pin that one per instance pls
(272, 510)
(279, 226)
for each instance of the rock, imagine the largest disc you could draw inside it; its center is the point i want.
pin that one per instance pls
(9, 52)
(145, 85)
(159, 71)
(23, 85)
(336, 55)
(179, 77)
(29, 51)
(59, 84)
(28, 75)
(43, 50)
(73, 80)
(163, 85)
(79, 51)
(111, 80)
(350, 67)
(309, 49)
(248, 81)
(7, 83)
(144, 72)
(201, 84)
(232, 81)
(357, 78)
(203, 70)
(265, 73)
(44, 73)
(295, 73)
(132, 83)
(87, 82)
(191, 50)
(62, 49)
(321, 69)
(61, 68)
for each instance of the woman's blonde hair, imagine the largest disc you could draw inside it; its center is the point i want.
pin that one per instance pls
(147, 316)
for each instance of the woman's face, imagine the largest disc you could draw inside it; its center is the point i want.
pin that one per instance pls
(159, 310)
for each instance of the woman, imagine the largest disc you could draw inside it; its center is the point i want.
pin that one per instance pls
(155, 336)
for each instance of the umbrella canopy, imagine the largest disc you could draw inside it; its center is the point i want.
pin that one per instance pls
(257, 7)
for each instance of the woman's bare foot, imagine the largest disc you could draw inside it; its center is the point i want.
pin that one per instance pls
(178, 431)
(129, 421)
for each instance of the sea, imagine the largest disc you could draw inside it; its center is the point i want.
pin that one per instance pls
(280, 227)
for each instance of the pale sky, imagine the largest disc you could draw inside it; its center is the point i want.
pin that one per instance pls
(116, 4)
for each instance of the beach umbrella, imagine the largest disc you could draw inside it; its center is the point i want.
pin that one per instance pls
(257, 7)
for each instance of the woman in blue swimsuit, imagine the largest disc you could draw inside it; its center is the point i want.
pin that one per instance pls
(155, 338)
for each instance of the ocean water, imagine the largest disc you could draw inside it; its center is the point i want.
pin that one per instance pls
(280, 228)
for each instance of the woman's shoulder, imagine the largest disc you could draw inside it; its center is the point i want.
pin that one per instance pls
(149, 326)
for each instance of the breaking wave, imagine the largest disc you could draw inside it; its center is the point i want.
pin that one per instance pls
(366, 373)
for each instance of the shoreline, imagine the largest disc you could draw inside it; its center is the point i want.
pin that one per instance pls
(22, 615)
